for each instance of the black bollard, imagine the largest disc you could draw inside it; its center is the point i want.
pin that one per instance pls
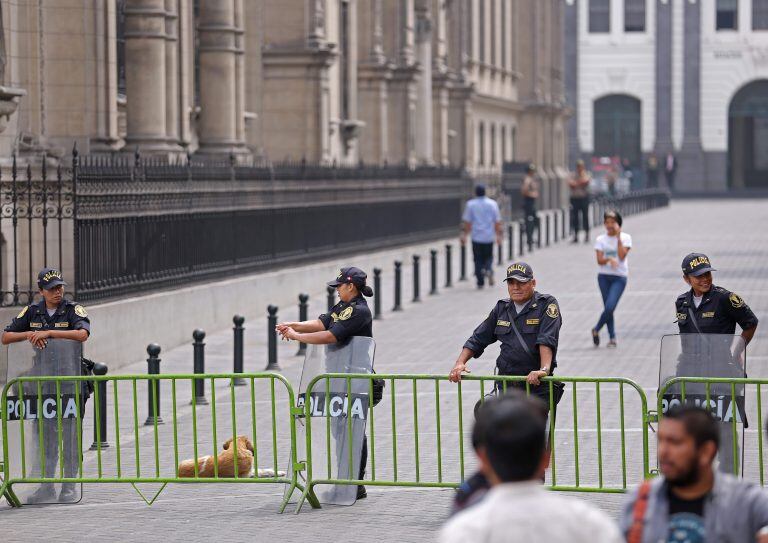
(510, 242)
(563, 224)
(521, 237)
(198, 349)
(432, 272)
(331, 298)
(538, 231)
(237, 364)
(500, 252)
(153, 385)
(555, 227)
(398, 286)
(416, 278)
(100, 409)
(548, 225)
(303, 312)
(463, 263)
(448, 265)
(377, 293)
(272, 339)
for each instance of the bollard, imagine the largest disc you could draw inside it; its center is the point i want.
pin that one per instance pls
(547, 224)
(555, 227)
(416, 278)
(499, 252)
(563, 224)
(377, 293)
(463, 263)
(100, 409)
(303, 312)
(432, 272)
(521, 237)
(237, 365)
(510, 242)
(448, 265)
(153, 386)
(198, 349)
(331, 298)
(398, 285)
(538, 231)
(272, 339)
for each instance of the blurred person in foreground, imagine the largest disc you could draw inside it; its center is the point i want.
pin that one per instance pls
(691, 501)
(510, 440)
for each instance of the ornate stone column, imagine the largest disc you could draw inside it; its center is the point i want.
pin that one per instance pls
(424, 84)
(146, 76)
(220, 128)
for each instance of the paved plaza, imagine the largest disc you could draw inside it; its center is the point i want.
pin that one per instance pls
(425, 338)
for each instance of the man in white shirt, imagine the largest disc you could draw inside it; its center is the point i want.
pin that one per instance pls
(482, 220)
(510, 438)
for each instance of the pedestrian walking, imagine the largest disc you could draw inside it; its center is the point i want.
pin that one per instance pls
(579, 185)
(530, 193)
(691, 501)
(510, 439)
(528, 326)
(350, 317)
(611, 250)
(53, 317)
(481, 221)
(670, 169)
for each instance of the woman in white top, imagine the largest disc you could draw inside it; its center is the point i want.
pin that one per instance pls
(611, 249)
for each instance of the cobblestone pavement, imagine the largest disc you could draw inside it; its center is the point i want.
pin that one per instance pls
(424, 338)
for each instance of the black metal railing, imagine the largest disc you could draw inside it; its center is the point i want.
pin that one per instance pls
(123, 224)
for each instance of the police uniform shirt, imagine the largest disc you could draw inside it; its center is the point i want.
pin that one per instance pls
(718, 312)
(68, 316)
(538, 323)
(347, 319)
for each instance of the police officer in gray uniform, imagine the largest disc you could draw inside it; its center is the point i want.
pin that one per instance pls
(52, 318)
(528, 326)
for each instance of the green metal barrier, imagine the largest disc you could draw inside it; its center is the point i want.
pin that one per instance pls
(727, 402)
(151, 451)
(398, 432)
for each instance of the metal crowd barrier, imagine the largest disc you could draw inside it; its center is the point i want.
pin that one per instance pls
(151, 451)
(427, 411)
(737, 402)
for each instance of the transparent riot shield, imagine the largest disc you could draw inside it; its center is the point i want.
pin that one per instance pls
(43, 417)
(708, 355)
(338, 411)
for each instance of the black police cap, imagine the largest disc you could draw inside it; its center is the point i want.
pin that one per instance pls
(49, 278)
(519, 271)
(696, 264)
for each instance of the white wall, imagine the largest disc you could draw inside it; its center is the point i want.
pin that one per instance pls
(730, 60)
(617, 63)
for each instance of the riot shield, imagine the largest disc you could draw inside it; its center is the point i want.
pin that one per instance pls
(708, 355)
(338, 411)
(43, 419)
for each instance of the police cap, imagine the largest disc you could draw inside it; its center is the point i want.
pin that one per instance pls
(697, 264)
(353, 275)
(519, 271)
(49, 278)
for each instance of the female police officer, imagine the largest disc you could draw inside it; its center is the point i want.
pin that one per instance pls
(350, 317)
(528, 326)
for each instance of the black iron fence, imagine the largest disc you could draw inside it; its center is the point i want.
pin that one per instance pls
(125, 224)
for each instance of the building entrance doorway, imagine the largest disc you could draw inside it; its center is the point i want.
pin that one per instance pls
(748, 137)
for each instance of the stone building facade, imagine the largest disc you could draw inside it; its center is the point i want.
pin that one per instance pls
(688, 76)
(444, 82)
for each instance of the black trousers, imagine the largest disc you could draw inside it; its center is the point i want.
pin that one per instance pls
(483, 256)
(580, 215)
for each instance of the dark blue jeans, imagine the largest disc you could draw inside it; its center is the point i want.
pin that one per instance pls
(611, 287)
(483, 256)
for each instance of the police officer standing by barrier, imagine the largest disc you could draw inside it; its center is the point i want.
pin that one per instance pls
(51, 318)
(709, 309)
(528, 326)
(350, 317)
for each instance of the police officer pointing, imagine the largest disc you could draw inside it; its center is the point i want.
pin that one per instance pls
(52, 318)
(528, 326)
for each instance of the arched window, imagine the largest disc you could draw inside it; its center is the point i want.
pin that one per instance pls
(748, 136)
(617, 127)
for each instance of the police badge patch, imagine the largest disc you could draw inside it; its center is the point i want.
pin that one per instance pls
(736, 300)
(80, 311)
(553, 311)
